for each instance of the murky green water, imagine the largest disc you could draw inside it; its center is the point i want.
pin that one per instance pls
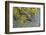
(34, 23)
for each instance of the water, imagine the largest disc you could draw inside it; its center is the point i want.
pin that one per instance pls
(35, 21)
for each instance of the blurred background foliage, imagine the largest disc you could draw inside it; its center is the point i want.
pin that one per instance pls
(23, 14)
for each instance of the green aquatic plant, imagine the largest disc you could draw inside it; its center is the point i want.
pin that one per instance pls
(23, 14)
